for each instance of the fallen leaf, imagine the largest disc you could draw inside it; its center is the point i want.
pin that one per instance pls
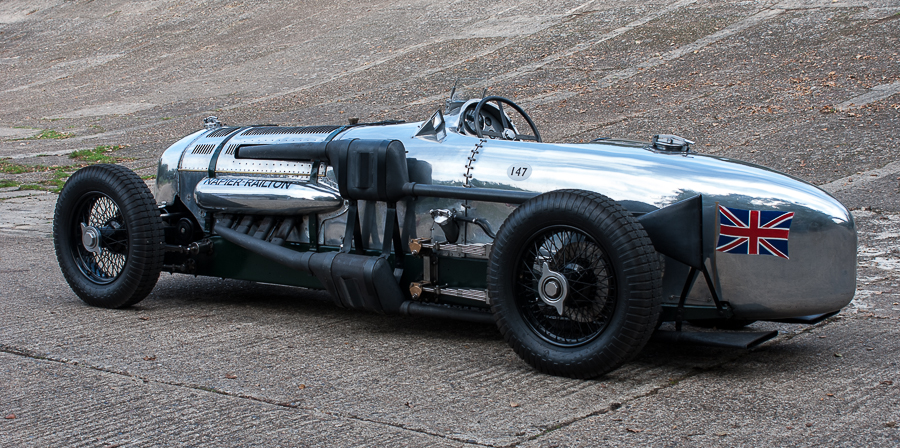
(149, 358)
(633, 430)
(838, 355)
(10, 416)
(809, 425)
(230, 376)
(513, 404)
(302, 386)
(830, 395)
(144, 318)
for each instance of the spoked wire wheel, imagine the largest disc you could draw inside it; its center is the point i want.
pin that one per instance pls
(591, 282)
(574, 283)
(103, 233)
(108, 236)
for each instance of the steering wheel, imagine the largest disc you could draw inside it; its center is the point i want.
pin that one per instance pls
(508, 133)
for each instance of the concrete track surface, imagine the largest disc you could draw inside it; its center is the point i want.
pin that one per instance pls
(809, 87)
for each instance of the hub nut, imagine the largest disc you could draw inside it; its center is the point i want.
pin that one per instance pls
(553, 288)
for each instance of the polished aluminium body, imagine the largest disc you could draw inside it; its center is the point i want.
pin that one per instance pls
(578, 253)
(279, 197)
(819, 276)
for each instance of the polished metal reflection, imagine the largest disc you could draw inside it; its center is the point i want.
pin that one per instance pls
(167, 170)
(90, 238)
(227, 163)
(553, 288)
(819, 277)
(265, 196)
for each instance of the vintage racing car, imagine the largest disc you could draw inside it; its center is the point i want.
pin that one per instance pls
(576, 251)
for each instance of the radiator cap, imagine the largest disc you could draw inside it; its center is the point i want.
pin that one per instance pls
(670, 143)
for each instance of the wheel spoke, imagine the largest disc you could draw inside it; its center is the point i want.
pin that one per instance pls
(102, 213)
(589, 303)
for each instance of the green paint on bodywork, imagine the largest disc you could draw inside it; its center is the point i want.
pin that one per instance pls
(231, 261)
(462, 272)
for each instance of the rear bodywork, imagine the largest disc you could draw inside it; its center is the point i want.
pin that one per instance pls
(283, 184)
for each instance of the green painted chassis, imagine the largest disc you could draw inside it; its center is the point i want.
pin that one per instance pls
(233, 262)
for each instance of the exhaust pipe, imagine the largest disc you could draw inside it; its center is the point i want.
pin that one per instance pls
(428, 310)
(354, 281)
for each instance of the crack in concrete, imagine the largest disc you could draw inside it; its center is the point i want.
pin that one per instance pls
(693, 47)
(405, 428)
(528, 68)
(5, 348)
(767, 13)
(362, 68)
(400, 53)
(874, 94)
(615, 120)
(862, 178)
(674, 382)
(612, 407)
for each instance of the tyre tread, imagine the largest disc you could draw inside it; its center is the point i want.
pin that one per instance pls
(640, 269)
(136, 203)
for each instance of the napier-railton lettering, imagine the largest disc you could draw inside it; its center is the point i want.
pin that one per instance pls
(250, 183)
(464, 215)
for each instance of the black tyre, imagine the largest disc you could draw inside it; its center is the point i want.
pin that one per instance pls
(108, 236)
(574, 283)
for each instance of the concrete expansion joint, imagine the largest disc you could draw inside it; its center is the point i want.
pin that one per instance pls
(615, 406)
(4, 348)
(808, 329)
(611, 122)
(406, 428)
(21, 352)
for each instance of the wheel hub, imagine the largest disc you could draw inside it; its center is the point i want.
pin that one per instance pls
(90, 238)
(553, 288)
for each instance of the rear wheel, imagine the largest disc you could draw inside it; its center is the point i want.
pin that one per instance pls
(108, 236)
(574, 283)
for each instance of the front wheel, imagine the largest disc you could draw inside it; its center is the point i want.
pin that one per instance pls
(574, 283)
(108, 236)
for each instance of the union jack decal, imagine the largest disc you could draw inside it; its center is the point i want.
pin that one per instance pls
(754, 232)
